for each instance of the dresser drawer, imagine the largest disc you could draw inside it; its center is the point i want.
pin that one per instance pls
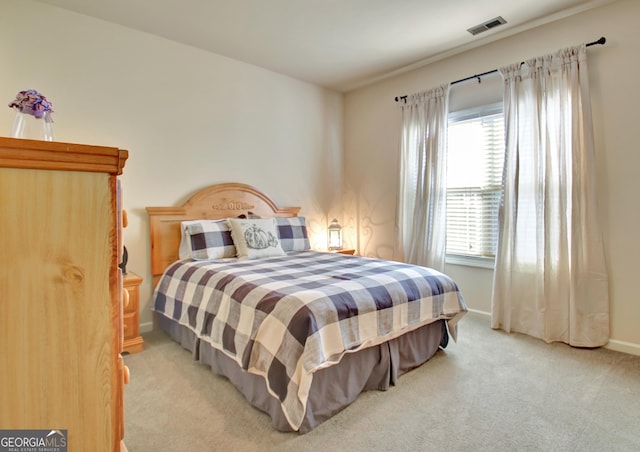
(130, 325)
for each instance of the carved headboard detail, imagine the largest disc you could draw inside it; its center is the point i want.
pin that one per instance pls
(227, 200)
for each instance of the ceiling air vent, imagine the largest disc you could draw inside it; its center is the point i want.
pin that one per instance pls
(487, 25)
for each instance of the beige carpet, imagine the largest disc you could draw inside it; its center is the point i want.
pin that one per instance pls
(491, 391)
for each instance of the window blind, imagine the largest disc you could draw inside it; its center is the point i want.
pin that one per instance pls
(474, 181)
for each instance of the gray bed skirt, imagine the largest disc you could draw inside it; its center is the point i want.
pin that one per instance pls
(333, 388)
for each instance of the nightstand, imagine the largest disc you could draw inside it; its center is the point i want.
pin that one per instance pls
(133, 342)
(345, 251)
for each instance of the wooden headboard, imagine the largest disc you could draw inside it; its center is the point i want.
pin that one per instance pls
(217, 201)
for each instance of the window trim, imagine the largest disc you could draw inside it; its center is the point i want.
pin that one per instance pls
(493, 108)
(463, 115)
(470, 261)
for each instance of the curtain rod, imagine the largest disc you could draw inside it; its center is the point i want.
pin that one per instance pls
(600, 41)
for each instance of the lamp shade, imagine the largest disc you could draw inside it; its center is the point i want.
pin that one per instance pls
(335, 235)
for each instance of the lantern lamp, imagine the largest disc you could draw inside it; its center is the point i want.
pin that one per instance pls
(335, 236)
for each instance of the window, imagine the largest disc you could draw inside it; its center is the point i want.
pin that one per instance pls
(474, 181)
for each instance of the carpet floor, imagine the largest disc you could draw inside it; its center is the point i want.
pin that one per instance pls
(490, 391)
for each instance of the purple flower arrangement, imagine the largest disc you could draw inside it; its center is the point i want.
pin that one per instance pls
(32, 102)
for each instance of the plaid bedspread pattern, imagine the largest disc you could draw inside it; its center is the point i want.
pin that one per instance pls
(285, 317)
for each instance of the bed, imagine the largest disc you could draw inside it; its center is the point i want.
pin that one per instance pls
(300, 333)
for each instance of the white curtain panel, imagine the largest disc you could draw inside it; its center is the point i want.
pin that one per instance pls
(550, 278)
(422, 199)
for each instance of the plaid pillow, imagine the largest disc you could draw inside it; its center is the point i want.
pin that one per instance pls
(293, 233)
(208, 239)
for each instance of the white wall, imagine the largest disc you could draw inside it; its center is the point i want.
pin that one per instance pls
(189, 118)
(372, 125)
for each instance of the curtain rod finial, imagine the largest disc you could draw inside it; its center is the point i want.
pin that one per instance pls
(600, 41)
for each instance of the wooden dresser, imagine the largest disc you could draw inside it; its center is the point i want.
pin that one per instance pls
(61, 291)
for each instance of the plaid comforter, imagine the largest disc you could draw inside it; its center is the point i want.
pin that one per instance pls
(286, 317)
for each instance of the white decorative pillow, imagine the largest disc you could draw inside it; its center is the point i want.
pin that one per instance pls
(255, 238)
(293, 233)
(206, 240)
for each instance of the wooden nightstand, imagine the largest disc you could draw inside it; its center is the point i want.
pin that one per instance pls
(345, 251)
(133, 342)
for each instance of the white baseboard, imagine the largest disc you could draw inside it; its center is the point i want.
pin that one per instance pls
(480, 313)
(622, 346)
(146, 327)
(615, 345)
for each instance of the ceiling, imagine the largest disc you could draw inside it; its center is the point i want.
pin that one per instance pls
(339, 44)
